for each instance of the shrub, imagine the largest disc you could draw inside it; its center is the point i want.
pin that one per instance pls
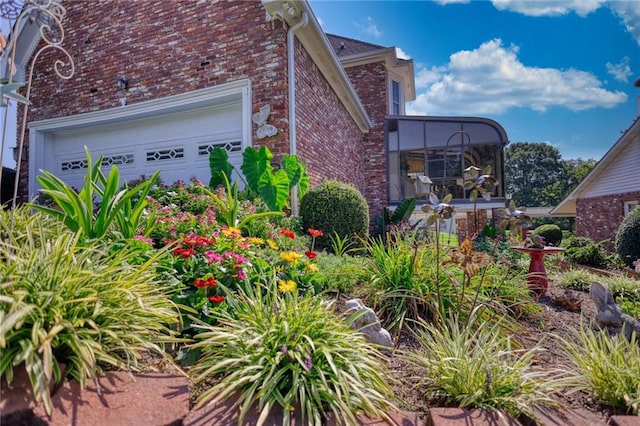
(577, 279)
(607, 367)
(8, 182)
(628, 238)
(476, 366)
(335, 208)
(584, 251)
(281, 349)
(342, 273)
(87, 307)
(551, 233)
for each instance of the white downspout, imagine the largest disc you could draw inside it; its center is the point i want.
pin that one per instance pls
(292, 100)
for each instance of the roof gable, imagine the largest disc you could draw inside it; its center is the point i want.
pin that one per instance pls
(344, 46)
(615, 173)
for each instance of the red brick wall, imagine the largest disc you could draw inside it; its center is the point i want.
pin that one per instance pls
(370, 82)
(169, 47)
(599, 217)
(329, 142)
(164, 48)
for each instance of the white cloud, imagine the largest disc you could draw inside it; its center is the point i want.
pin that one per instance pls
(427, 76)
(629, 13)
(627, 10)
(492, 80)
(548, 7)
(401, 54)
(621, 71)
(369, 27)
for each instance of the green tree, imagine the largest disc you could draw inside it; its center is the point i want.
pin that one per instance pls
(536, 175)
(533, 172)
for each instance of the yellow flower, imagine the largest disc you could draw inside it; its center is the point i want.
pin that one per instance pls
(311, 267)
(272, 244)
(232, 231)
(290, 256)
(286, 286)
(255, 241)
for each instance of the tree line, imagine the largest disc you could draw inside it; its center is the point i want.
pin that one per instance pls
(537, 176)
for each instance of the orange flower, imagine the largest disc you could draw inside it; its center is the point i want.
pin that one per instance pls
(470, 261)
(216, 299)
(288, 233)
(315, 232)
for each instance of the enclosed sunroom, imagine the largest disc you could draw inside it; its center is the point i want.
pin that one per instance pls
(429, 154)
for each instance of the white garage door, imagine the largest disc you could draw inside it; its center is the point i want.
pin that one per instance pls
(177, 144)
(173, 135)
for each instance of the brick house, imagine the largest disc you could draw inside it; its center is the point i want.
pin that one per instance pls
(609, 192)
(157, 85)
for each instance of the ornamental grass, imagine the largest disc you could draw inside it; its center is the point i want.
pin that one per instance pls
(607, 367)
(474, 365)
(85, 306)
(280, 349)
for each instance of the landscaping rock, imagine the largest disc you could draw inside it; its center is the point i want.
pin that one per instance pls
(609, 316)
(125, 399)
(448, 416)
(368, 323)
(17, 400)
(223, 414)
(624, 421)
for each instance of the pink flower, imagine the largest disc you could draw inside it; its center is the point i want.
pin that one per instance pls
(212, 256)
(144, 239)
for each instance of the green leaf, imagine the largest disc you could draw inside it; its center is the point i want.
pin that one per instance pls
(256, 167)
(219, 165)
(403, 212)
(274, 189)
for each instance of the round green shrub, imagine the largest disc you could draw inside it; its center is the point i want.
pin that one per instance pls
(335, 208)
(628, 238)
(585, 251)
(552, 234)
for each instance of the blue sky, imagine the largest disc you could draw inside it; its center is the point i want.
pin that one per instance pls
(560, 72)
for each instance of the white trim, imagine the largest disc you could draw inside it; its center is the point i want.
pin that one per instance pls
(42, 133)
(630, 205)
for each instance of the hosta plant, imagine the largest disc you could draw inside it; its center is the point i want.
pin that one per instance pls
(607, 367)
(472, 365)
(278, 349)
(84, 306)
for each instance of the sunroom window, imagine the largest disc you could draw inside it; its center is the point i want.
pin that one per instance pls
(429, 154)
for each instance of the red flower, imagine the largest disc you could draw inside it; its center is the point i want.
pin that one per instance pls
(190, 241)
(209, 282)
(216, 299)
(184, 252)
(288, 233)
(315, 232)
(311, 254)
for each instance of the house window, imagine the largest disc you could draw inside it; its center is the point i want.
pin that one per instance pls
(630, 205)
(395, 98)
